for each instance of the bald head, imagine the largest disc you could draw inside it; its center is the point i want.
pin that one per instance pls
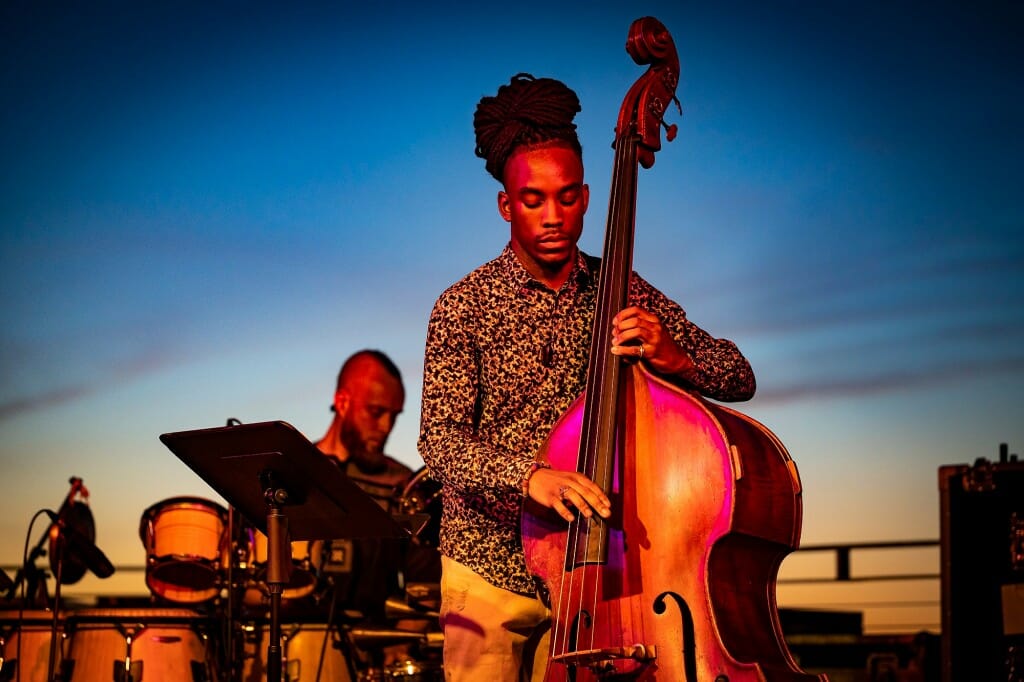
(368, 399)
(367, 361)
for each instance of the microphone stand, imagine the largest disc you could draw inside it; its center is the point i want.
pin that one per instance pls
(33, 574)
(59, 545)
(29, 573)
(33, 577)
(278, 570)
(56, 606)
(65, 534)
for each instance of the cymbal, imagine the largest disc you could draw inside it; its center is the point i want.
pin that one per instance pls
(424, 595)
(424, 591)
(396, 608)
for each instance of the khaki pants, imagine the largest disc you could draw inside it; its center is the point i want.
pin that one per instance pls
(490, 633)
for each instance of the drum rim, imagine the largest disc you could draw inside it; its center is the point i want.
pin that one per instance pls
(182, 501)
(420, 473)
(30, 616)
(157, 614)
(189, 595)
(186, 500)
(413, 486)
(407, 503)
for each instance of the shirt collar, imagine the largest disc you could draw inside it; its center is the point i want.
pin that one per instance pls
(518, 277)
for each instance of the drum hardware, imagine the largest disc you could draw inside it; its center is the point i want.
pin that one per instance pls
(343, 643)
(299, 647)
(373, 641)
(411, 671)
(336, 557)
(306, 656)
(306, 559)
(271, 471)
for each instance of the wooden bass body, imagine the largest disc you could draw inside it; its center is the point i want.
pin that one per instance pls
(706, 503)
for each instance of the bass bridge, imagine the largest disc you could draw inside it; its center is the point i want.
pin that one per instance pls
(600, 660)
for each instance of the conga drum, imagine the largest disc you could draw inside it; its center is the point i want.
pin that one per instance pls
(25, 645)
(139, 644)
(301, 647)
(186, 548)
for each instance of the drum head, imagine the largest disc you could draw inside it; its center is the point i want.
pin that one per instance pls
(186, 550)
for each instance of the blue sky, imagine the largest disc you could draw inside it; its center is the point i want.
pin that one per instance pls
(205, 207)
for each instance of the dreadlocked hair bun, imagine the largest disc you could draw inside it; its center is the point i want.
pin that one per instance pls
(526, 111)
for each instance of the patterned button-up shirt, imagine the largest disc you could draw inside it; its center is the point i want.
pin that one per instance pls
(505, 357)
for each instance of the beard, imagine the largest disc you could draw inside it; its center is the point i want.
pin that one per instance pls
(361, 451)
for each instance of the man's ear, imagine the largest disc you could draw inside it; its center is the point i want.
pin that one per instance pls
(504, 206)
(342, 400)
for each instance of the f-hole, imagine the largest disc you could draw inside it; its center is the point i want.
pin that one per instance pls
(689, 650)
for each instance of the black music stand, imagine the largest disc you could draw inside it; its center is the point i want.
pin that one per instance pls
(286, 488)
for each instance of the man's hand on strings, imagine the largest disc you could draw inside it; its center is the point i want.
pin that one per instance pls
(639, 334)
(562, 490)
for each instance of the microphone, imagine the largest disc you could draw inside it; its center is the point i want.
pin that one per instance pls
(83, 548)
(77, 486)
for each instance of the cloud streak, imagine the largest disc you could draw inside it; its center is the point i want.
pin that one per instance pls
(117, 374)
(890, 381)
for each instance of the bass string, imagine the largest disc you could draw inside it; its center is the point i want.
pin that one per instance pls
(616, 270)
(620, 234)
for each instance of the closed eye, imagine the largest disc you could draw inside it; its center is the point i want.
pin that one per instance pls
(569, 196)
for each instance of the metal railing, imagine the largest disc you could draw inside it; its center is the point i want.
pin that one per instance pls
(904, 596)
(842, 561)
(855, 587)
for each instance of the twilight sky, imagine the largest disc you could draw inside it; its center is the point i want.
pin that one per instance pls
(205, 207)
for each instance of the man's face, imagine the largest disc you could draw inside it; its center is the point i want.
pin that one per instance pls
(375, 399)
(544, 200)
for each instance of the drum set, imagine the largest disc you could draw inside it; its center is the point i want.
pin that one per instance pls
(207, 616)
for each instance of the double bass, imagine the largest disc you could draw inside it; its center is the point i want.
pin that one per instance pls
(678, 584)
